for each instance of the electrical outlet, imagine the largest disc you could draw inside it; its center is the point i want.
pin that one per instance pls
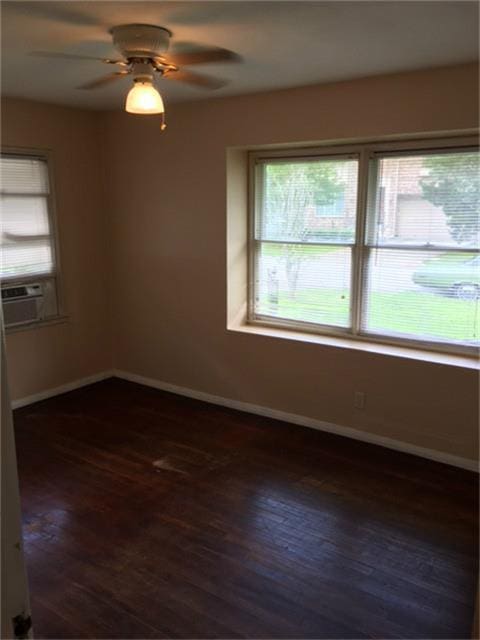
(359, 400)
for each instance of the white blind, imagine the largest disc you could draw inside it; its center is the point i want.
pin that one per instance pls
(24, 175)
(302, 283)
(427, 199)
(26, 237)
(304, 228)
(307, 200)
(422, 267)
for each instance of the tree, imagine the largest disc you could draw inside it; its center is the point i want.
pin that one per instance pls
(453, 184)
(291, 190)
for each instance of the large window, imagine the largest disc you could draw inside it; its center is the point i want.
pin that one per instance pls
(27, 241)
(377, 243)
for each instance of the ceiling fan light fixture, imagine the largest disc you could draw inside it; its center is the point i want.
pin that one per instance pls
(143, 98)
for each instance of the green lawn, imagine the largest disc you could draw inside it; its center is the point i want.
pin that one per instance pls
(409, 312)
(335, 306)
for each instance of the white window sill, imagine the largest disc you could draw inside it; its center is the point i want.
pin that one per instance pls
(455, 360)
(37, 324)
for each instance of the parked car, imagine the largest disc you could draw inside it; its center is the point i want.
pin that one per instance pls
(451, 274)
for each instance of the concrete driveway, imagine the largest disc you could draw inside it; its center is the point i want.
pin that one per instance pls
(390, 271)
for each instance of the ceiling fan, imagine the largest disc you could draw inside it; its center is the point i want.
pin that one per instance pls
(143, 48)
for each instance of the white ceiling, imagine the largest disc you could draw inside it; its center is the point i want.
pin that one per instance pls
(282, 44)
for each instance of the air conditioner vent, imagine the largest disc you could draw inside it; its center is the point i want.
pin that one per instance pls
(14, 292)
(22, 311)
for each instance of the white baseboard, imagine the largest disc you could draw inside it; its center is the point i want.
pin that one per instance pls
(320, 425)
(64, 388)
(304, 421)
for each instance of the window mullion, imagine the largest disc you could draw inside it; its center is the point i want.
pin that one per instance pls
(256, 188)
(364, 180)
(305, 243)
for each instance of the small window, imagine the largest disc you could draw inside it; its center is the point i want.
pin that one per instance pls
(374, 243)
(27, 241)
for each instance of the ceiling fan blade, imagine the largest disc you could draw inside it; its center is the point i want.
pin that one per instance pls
(196, 79)
(202, 56)
(57, 11)
(73, 56)
(104, 81)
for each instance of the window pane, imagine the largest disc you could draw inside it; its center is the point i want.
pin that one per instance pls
(427, 199)
(425, 295)
(23, 175)
(298, 282)
(23, 217)
(26, 259)
(307, 201)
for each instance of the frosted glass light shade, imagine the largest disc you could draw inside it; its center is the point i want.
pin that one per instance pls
(144, 98)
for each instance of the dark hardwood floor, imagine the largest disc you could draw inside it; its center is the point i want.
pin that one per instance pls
(149, 515)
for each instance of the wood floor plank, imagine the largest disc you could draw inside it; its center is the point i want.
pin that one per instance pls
(149, 515)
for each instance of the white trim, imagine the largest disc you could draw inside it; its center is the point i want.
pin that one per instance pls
(367, 155)
(432, 142)
(344, 341)
(64, 388)
(304, 421)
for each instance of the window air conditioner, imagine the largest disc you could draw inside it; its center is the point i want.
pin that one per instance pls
(23, 304)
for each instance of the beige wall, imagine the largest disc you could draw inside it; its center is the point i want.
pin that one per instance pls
(168, 214)
(54, 355)
(165, 213)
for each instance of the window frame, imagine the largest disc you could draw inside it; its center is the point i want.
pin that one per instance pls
(366, 153)
(46, 156)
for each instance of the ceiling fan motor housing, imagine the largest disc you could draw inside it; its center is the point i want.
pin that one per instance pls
(140, 40)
